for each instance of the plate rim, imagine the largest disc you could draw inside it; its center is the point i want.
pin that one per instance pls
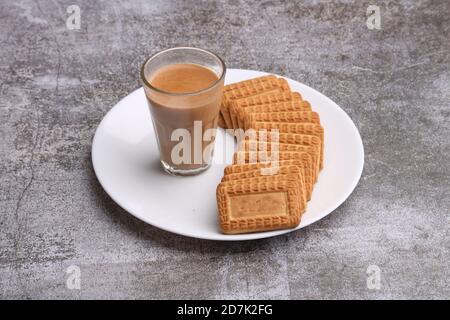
(237, 237)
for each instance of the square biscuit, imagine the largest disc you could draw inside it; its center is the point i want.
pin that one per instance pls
(245, 157)
(281, 152)
(298, 128)
(304, 160)
(258, 204)
(232, 111)
(280, 116)
(290, 138)
(274, 85)
(282, 85)
(252, 81)
(297, 172)
(239, 106)
(293, 176)
(285, 106)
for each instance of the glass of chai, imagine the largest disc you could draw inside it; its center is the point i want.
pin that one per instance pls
(184, 87)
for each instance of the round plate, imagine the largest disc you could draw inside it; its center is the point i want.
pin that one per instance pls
(126, 161)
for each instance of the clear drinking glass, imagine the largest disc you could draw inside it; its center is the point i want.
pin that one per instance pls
(184, 123)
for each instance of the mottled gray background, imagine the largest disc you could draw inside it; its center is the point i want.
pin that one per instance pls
(57, 84)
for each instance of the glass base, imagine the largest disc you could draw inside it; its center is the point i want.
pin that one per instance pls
(183, 172)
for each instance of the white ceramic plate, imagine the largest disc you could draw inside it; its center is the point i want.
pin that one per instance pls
(126, 162)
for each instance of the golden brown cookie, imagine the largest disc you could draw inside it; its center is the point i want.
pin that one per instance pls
(298, 128)
(232, 111)
(244, 83)
(286, 106)
(298, 172)
(304, 161)
(291, 138)
(259, 204)
(291, 116)
(273, 85)
(264, 151)
(243, 157)
(240, 105)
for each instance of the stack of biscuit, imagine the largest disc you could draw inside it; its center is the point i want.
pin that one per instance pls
(278, 159)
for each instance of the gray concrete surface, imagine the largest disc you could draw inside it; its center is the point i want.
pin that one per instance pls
(57, 84)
